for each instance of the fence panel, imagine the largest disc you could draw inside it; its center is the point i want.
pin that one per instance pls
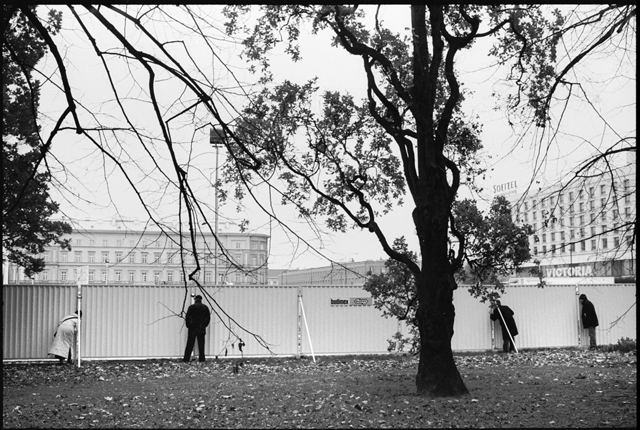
(610, 302)
(267, 311)
(30, 316)
(142, 321)
(350, 328)
(471, 328)
(546, 317)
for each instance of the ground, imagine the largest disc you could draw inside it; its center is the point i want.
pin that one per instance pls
(552, 388)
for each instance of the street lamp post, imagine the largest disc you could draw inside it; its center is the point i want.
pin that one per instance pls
(216, 139)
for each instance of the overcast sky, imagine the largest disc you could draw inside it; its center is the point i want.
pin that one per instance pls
(509, 153)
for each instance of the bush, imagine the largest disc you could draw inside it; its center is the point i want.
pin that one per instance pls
(624, 345)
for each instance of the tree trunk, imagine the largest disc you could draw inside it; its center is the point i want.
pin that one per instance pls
(437, 374)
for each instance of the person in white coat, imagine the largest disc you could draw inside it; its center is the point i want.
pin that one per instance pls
(64, 338)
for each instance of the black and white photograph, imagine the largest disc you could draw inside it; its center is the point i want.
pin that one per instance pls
(319, 215)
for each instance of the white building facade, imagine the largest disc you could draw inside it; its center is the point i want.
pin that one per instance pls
(352, 273)
(144, 257)
(583, 229)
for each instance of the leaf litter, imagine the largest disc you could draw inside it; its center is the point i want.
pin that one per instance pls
(545, 388)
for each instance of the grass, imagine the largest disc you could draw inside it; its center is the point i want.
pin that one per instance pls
(560, 388)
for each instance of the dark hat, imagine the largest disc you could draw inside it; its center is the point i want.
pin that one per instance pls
(582, 296)
(198, 298)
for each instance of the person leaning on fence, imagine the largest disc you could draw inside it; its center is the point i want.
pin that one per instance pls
(507, 315)
(64, 338)
(197, 320)
(589, 319)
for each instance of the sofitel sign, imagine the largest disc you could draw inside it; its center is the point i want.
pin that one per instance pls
(506, 188)
(353, 301)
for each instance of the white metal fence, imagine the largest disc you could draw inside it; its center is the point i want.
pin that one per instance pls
(122, 322)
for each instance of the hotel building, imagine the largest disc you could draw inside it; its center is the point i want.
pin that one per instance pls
(585, 228)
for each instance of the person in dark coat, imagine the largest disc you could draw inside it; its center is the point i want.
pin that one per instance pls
(507, 314)
(589, 319)
(197, 320)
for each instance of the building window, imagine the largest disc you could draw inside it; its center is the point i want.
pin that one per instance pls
(144, 258)
(592, 205)
(581, 219)
(105, 243)
(571, 196)
(571, 208)
(581, 207)
(78, 256)
(603, 189)
(572, 247)
(156, 277)
(526, 206)
(132, 257)
(104, 276)
(603, 215)
(604, 243)
(616, 214)
(603, 202)
(627, 212)
(571, 221)
(591, 191)
(553, 237)
(63, 275)
(592, 217)
(64, 256)
(156, 257)
(169, 258)
(616, 242)
(553, 249)
(92, 242)
(105, 256)
(132, 276)
(562, 235)
(604, 228)
(544, 249)
(118, 276)
(170, 276)
(92, 256)
(593, 244)
(92, 275)
(533, 214)
(535, 250)
(593, 231)
(119, 242)
(118, 256)
(572, 234)
(144, 276)
(583, 245)
(207, 277)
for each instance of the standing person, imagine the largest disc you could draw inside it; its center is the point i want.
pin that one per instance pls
(64, 338)
(507, 314)
(197, 320)
(589, 319)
